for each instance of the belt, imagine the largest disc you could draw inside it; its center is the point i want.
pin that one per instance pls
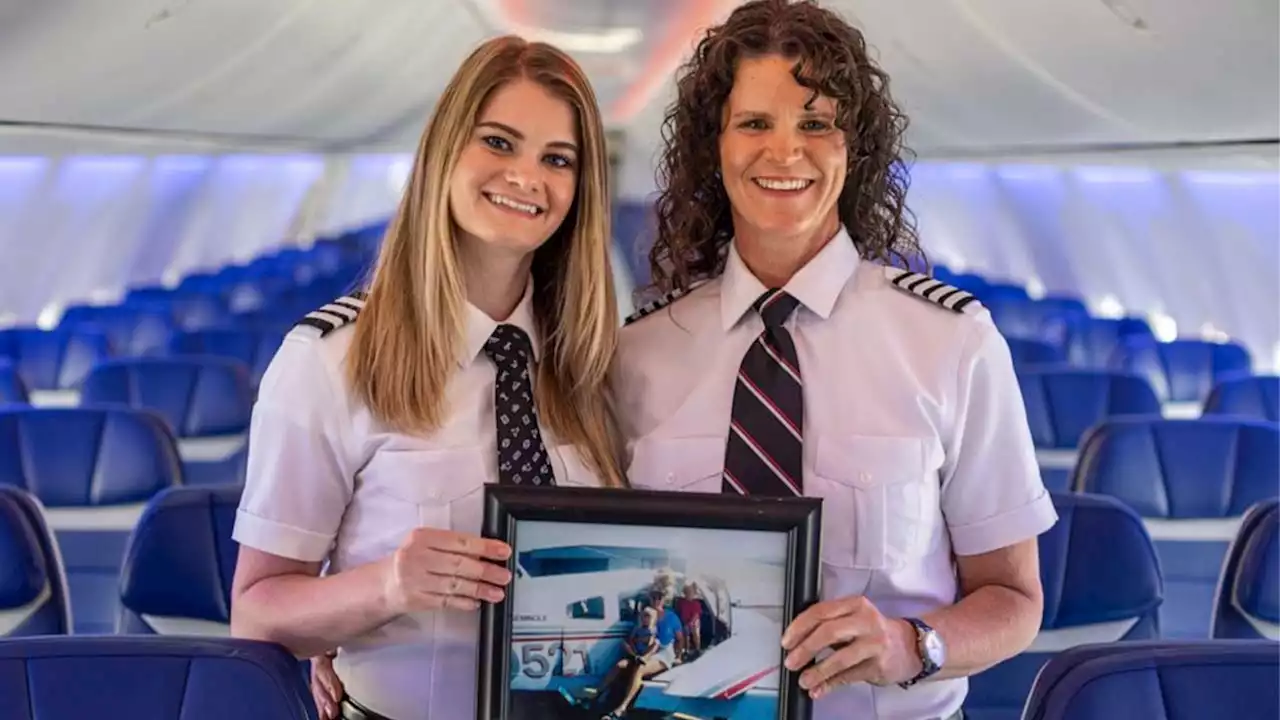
(352, 710)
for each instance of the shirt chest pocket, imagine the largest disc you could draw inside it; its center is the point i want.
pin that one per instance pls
(685, 464)
(880, 500)
(427, 488)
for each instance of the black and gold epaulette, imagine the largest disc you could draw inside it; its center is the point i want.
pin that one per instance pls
(934, 290)
(654, 306)
(336, 314)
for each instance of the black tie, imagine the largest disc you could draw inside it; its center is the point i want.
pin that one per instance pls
(522, 458)
(764, 453)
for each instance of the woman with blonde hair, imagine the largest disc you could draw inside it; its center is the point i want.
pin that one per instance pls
(477, 354)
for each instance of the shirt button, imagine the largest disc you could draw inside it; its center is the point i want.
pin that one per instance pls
(671, 478)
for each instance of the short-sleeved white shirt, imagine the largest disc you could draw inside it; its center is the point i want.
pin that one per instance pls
(915, 438)
(328, 481)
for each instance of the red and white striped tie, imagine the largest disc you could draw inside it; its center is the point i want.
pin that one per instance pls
(764, 453)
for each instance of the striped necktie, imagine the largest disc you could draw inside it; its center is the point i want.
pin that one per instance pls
(766, 428)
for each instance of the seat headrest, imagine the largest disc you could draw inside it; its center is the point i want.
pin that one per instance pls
(1160, 680)
(24, 573)
(1097, 564)
(1183, 370)
(86, 456)
(1211, 467)
(1253, 396)
(1027, 352)
(197, 396)
(54, 359)
(151, 677)
(1063, 403)
(1094, 341)
(1257, 585)
(181, 559)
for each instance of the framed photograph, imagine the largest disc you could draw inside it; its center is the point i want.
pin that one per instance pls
(655, 605)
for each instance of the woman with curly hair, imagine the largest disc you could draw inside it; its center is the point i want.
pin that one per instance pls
(826, 368)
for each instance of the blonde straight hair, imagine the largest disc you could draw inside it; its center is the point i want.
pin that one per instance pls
(410, 334)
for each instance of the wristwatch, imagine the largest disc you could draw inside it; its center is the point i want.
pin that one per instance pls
(933, 653)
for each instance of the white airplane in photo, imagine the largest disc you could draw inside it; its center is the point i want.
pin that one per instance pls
(568, 631)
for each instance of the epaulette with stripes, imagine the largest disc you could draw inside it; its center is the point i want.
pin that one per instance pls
(654, 306)
(933, 290)
(336, 314)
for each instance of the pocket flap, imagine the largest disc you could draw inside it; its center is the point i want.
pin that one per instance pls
(676, 463)
(427, 477)
(869, 461)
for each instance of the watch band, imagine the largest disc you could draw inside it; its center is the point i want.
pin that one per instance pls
(928, 666)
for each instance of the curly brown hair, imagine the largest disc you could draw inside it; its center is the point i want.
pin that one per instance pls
(694, 224)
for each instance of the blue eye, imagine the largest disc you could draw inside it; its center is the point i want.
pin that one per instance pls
(816, 125)
(496, 142)
(560, 161)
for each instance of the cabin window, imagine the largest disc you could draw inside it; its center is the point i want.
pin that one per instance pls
(589, 609)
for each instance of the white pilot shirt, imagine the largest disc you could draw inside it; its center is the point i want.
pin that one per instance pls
(915, 435)
(328, 481)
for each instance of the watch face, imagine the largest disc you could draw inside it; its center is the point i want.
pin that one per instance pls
(934, 649)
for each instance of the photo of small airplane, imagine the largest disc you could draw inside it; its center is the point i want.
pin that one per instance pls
(569, 628)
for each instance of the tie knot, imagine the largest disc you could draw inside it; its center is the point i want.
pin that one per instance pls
(775, 306)
(507, 341)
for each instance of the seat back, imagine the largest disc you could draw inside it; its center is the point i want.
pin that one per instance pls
(177, 570)
(53, 362)
(131, 331)
(1094, 342)
(13, 391)
(33, 583)
(1063, 403)
(1251, 396)
(1102, 583)
(1247, 599)
(206, 400)
(254, 348)
(198, 396)
(1191, 481)
(93, 469)
(1028, 353)
(1183, 371)
(1160, 680)
(151, 678)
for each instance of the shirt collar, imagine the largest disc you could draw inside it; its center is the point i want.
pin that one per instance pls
(480, 326)
(816, 285)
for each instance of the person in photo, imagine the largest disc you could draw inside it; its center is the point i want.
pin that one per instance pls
(637, 649)
(669, 639)
(689, 609)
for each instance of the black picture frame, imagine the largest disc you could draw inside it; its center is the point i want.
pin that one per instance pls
(506, 506)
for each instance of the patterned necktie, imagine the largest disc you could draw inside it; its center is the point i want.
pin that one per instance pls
(766, 429)
(522, 458)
